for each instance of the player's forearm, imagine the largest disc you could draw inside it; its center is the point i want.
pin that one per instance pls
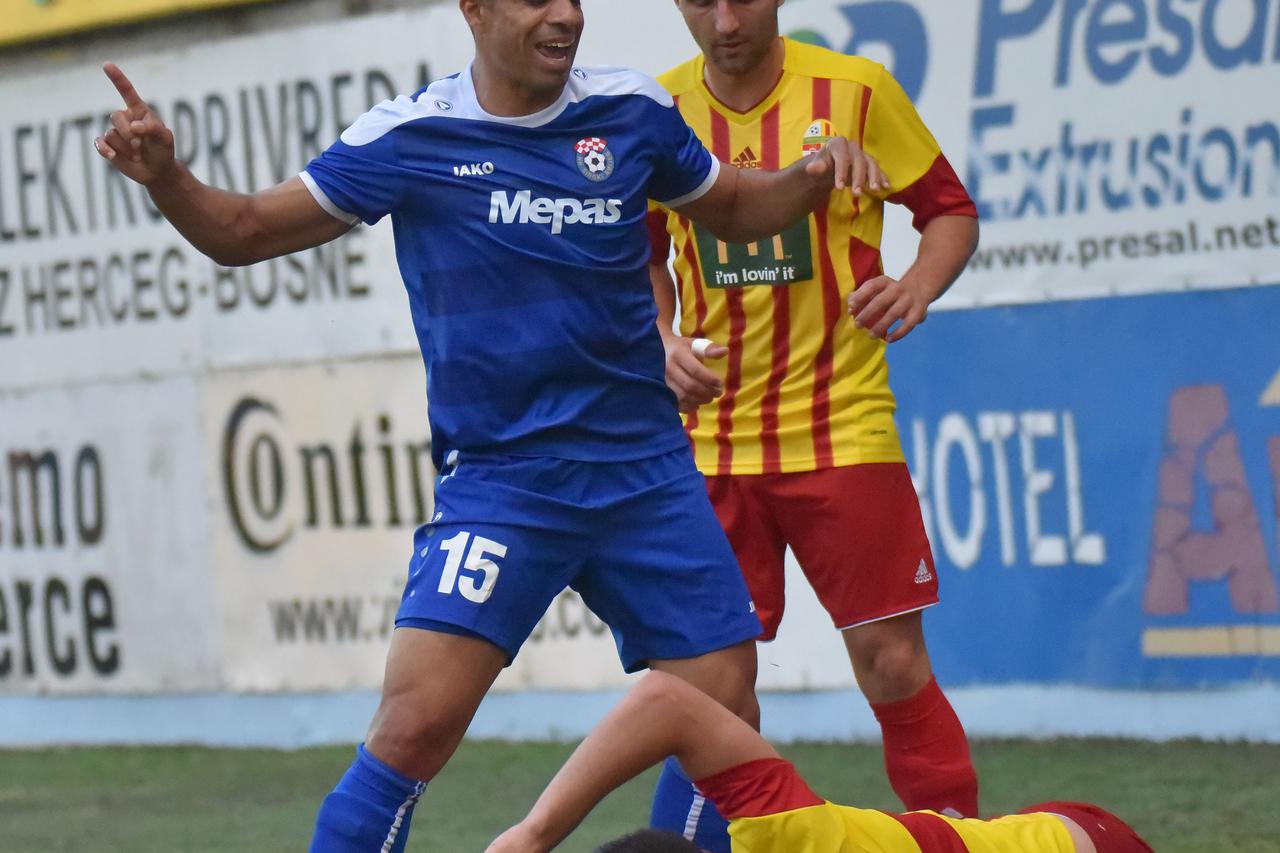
(660, 717)
(946, 245)
(220, 224)
(764, 203)
(646, 727)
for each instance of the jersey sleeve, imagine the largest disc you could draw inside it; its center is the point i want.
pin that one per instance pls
(896, 136)
(684, 169)
(359, 176)
(758, 788)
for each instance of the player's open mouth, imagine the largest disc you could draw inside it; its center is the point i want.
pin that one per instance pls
(555, 50)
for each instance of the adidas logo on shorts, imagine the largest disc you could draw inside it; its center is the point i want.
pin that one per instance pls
(923, 575)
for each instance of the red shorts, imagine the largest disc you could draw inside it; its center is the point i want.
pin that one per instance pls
(1109, 833)
(856, 532)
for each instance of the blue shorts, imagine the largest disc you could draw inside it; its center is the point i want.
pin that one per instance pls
(637, 540)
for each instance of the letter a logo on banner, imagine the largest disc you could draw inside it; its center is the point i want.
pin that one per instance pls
(1202, 447)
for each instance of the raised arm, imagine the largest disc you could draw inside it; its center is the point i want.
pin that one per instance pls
(661, 716)
(745, 205)
(233, 229)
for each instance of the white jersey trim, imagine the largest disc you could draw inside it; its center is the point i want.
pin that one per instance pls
(883, 618)
(455, 97)
(699, 191)
(326, 202)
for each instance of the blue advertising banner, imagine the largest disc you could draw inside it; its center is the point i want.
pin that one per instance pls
(1101, 484)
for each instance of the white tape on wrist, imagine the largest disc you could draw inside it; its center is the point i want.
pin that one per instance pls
(700, 346)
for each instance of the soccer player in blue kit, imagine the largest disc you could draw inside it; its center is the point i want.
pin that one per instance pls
(518, 191)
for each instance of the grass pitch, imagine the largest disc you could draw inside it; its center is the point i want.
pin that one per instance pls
(1185, 797)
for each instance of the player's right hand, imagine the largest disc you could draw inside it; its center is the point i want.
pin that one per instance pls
(138, 143)
(693, 382)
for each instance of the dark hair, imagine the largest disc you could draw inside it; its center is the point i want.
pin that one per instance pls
(649, 841)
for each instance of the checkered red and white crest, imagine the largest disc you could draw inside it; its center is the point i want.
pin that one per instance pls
(595, 160)
(591, 143)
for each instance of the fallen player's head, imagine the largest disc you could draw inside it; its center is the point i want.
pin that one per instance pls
(650, 841)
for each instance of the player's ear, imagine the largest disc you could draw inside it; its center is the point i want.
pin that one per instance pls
(472, 11)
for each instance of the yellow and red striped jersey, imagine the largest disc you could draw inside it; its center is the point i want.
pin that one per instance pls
(804, 388)
(771, 810)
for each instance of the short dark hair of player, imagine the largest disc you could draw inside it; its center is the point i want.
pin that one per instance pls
(650, 841)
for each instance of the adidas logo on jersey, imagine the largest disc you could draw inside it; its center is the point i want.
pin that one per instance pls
(556, 212)
(923, 575)
(747, 159)
(471, 170)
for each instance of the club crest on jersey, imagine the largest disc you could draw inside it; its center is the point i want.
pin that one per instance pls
(595, 160)
(818, 135)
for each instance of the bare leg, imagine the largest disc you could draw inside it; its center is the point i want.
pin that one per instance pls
(727, 675)
(433, 685)
(889, 658)
(926, 753)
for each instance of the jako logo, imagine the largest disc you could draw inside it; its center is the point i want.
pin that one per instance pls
(471, 170)
(558, 212)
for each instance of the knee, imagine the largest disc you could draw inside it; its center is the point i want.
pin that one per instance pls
(412, 739)
(891, 667)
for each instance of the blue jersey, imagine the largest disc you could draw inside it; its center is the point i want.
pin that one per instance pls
(523, 248)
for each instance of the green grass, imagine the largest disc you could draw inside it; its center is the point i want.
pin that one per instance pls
(1186, 797)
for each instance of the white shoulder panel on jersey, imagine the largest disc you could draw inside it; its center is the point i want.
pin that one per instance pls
(439, 99)
(592, 80)
(454, 97)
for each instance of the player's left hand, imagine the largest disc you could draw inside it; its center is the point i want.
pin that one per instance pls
(877, 304)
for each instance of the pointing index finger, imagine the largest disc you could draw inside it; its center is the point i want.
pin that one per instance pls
(123, 86)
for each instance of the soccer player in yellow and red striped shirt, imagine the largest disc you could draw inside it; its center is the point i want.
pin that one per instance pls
(794, 429)
(770, 807)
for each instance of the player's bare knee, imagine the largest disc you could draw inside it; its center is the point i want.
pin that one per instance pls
(889, 664)
(411, 739)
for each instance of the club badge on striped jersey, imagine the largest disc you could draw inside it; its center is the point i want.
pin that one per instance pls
(818, 135)
(595, 160)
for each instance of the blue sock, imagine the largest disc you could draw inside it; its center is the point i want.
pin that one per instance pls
(368, 811)
(679, 808)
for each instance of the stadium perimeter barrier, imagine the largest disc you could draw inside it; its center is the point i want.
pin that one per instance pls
(209, 477)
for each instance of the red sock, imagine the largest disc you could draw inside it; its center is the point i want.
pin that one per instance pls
(926, 753)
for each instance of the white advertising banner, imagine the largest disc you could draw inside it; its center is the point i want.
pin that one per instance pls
(318, 476)
(1112, 146)
(104, 557)
(95, 285)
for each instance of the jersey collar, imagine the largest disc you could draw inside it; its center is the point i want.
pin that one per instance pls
(767, 103)
(544, 116)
